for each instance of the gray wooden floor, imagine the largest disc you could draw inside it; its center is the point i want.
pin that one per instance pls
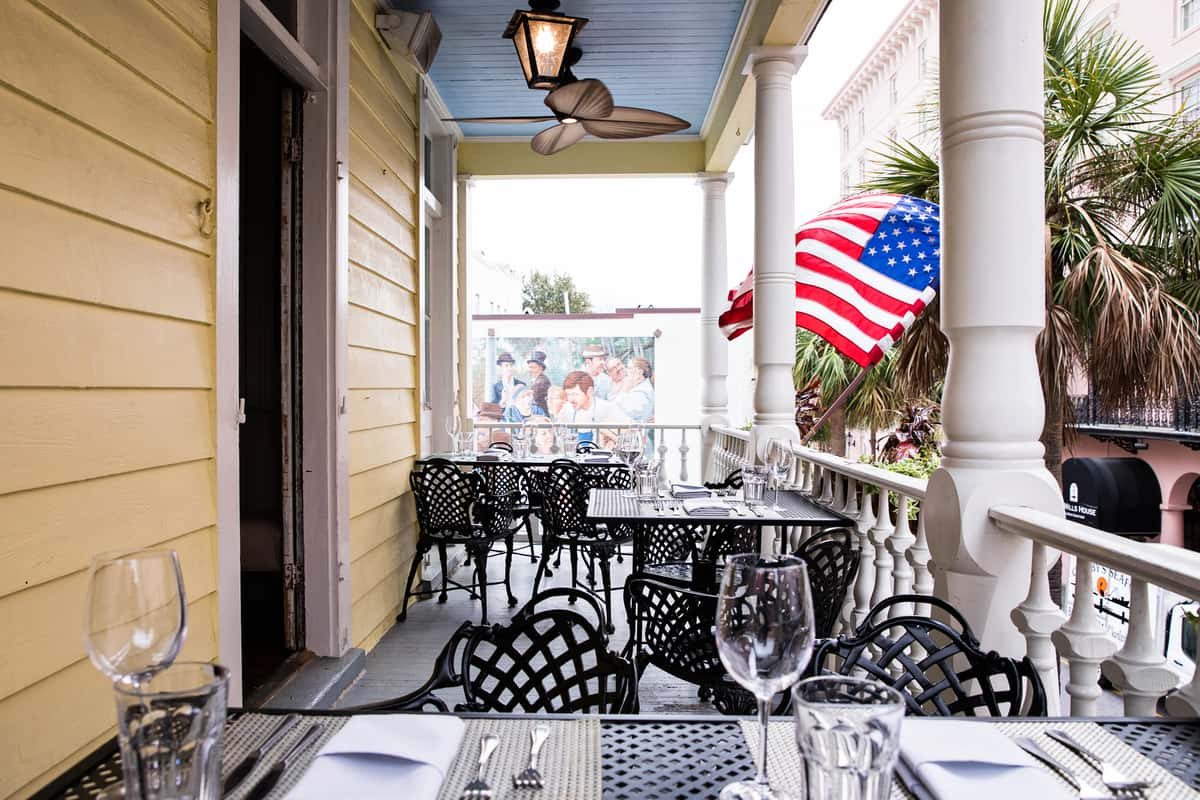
(404, 658)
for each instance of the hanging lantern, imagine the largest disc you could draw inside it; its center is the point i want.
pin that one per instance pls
(542, 36)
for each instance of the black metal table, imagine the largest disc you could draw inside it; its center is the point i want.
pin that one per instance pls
(693, 756)
(612, 505)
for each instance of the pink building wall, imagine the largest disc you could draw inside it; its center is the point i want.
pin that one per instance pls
(1176, 467)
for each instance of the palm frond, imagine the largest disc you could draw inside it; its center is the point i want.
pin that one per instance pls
(904, 168)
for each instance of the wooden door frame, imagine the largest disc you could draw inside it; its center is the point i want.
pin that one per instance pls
(317, 59)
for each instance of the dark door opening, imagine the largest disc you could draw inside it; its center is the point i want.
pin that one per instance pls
(1191, 519)
(269, 368)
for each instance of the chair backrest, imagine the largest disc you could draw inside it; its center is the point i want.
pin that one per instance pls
(500, 444)
(502, 479)
(832, 566)
(732, 481)
(444, 496)
(664, 542)
(585, 446)
(920, 605)
(605, 477)
(565, 492)
(938, 670)
(494, 514)
(548, 660)
(671, 627)
(729, 540)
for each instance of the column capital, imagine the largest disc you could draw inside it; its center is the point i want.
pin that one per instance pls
(714, 183)
(773, 59)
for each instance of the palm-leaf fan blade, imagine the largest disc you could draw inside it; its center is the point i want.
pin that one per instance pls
(585, 99)
(633, 123)
(560, 137)
(500, 120)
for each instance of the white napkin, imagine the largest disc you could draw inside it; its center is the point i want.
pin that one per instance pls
(973, 760)
(706, 507)
(595, 459)
(679, 490)
(384, 757)
(599, 452)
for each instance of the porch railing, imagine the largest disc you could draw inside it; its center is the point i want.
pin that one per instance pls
(678, 459)
(1180, 415)
(895, 559)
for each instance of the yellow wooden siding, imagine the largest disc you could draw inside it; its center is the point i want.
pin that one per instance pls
(381, 327)
(106, 343)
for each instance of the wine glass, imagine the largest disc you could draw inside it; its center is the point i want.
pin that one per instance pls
(136, 615)
(136, 618)
(765, 639)
(453, 427)
(780, 460)
(629, 450)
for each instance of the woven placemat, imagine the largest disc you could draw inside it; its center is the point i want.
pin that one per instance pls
(244, 735)
(569, 761)
(786, 772)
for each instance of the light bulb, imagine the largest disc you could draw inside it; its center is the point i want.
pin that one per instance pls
(544, 41)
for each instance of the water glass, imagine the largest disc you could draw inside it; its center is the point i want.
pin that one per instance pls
(754, 484)
(465, 444)
(647, 482)
(170, 729)
(848, 731)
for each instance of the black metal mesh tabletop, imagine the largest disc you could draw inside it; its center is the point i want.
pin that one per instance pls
(616, 506)
(528, 460)
(691, 756)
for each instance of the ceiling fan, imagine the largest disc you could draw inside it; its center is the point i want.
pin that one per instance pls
(586, 106)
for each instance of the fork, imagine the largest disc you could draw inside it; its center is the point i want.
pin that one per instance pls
(1086, 790)
(530, 778)
(478, 789)
(1112, 775)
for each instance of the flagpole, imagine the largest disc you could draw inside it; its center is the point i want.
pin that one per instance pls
(840, 401)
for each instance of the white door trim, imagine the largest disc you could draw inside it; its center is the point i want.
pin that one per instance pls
(323, 34)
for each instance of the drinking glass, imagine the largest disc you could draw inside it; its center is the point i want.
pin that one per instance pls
(754, 484)
(170, 730)
(848, 731)
(136, 614)
(779, 460)
(764, 638)
(453, 426)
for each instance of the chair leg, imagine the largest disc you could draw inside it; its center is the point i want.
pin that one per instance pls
(574, 569)
(606, 579)
(543, 567)
(481, 558)
(412, 573)
(529, 532)
(442, 557)
(512, 599)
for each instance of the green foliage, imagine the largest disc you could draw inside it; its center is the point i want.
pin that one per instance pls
(872, 405)
(543, 294)
(922, 465)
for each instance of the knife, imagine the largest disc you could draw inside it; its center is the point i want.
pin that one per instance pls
(268, 782)
(247, 764)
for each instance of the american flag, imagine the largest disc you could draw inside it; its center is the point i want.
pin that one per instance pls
(864, 270)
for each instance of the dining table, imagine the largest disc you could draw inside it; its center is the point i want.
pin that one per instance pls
(485, 459)
(612, 757)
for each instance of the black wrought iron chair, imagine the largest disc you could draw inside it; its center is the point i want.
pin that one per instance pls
(549, 659)
(498, 444)
(505, 479)
(454, 508)
(937, 667)
(586, 446)
(732, 481)
(671, 627)
(832, 567)
(566, 487)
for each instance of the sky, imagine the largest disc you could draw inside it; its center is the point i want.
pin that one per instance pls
(636, 241)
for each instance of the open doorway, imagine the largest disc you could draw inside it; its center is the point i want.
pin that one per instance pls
(269, 367)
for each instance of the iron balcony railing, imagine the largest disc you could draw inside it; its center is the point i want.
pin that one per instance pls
(1181, 415)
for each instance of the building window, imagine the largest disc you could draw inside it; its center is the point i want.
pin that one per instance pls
(1189, 15)
(893, 94)
(923, 59)
(894, 134)
(1189, 97)
(845, 137)
(845, 183)
(862, 122)
(862, 169)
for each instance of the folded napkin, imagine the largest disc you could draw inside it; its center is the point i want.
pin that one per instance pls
(599, 452)
(488, 457)
(956, 760)
(384, 757)
(592, 458)
(682, 490)
(706, 507)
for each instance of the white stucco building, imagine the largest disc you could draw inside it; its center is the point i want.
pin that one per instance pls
(497, 286)
(890, 94)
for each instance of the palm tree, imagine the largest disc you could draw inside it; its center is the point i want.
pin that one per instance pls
(1122, 218)
(873, 405)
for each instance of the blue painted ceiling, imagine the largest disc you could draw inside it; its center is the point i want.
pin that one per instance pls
(660, 54)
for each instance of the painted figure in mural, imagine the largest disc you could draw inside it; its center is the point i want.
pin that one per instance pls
(554, 401)
(616, 374)
(544, 442)
(502, 390)
(522, 406)
(636, 396)
(594, 357)
(488, 412)
(583, 407)
(538, 382)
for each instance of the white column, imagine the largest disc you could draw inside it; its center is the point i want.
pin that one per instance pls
(774, 244)
(714, 288)
(993, 306)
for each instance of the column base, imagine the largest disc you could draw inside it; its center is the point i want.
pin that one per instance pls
(981, 570)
